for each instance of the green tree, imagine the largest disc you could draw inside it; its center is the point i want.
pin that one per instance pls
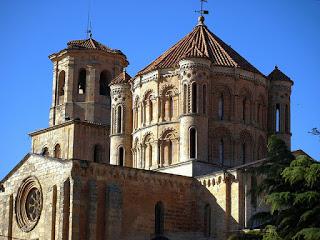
(292, 189)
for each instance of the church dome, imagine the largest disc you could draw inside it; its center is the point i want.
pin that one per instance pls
(200, 43)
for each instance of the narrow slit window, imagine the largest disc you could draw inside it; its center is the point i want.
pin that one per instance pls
(159, 218)
(221, 151)
(278, 118)
(221, 107)
(193, 142)
(121, 156)
(204, 99)
(194, 98)
(185, 92)
(119, 119)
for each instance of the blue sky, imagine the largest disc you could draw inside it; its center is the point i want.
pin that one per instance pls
(265, 32)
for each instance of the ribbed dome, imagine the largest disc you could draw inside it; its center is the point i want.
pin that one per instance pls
(200, 43)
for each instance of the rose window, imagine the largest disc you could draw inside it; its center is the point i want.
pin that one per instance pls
(29, 204)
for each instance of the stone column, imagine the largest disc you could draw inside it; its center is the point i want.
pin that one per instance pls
(92, 210)
(64, 210)
(76, 185)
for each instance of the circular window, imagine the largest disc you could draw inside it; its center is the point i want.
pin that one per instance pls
(29, 204)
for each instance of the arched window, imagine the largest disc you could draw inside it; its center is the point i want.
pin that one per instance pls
(193, 143)
(204, 99)
(221, 151)
(287, 126)
(159, 219)
(45, 152)
(57, 151)
(119, 119)
(170, 152)
(278, 120)
(170, 107)
(97, 153)
(207, 220)
(194, 98)
(259, 114)
(244, 109)
(121, 156)
(105, 77)
(150, 110)
(61, 83)
(221, 107)
(185, 95)
(82, 81)
(243, 151)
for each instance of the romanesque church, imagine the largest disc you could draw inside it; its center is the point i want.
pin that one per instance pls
(160, 155)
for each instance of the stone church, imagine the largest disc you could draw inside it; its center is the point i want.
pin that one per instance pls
(161, 155)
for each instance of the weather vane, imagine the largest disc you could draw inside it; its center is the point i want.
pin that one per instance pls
(202, 11)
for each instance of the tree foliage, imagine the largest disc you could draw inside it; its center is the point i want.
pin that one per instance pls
(292, 189)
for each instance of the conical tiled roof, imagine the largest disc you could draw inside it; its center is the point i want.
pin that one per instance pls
(278, 75)
(200, 43)
(90, 43)
(122, 78)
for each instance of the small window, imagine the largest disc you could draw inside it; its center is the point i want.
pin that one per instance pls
(119, 119)
(244, 109)
(121, 156)
(97, 153)
(278, 119)
(204, 99)
(259, 114)
(244, 149)
(45, 152)
(57, 151)
(82, 81)
(185, 95)
(193, 142)
(159, 218)
(171, 106)
(194, 98)
(150, 110)
(207, 220)
(221, 151)
(221, 107)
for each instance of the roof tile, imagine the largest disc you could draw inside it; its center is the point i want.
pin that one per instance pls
(200, 43)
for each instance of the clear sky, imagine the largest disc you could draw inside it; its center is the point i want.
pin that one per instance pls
(265, 32)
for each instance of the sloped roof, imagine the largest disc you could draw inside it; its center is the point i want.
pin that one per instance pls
(90, 43)
(200, 43)
(278, 75)
(122, 78)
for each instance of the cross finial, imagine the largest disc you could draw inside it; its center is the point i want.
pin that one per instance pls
(202, 11)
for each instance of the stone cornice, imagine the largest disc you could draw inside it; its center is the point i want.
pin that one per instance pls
(71, 122)
(89, 170)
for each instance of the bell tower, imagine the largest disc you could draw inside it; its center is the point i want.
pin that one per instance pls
(79, 124)
(279, 121)
(81, 76)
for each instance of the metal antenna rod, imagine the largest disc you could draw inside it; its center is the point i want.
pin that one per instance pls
(89, 26)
